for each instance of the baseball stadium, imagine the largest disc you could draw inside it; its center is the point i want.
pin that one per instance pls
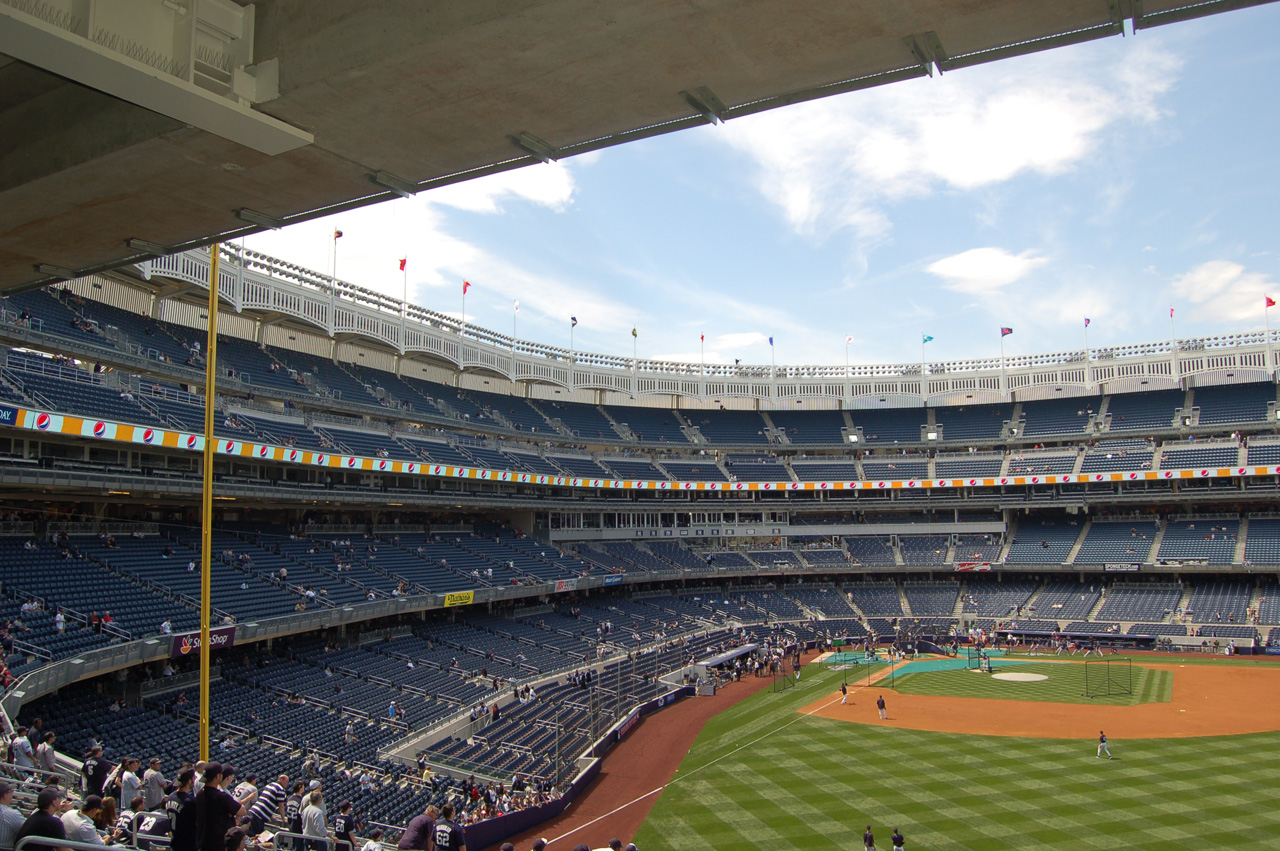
(287, 561)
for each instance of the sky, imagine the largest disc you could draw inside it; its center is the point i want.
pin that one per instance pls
(1112, 180)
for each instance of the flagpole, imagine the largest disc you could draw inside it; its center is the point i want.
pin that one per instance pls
(922, 360)
(846, 357)
(702, 358)
(1173, 349)
(1088, 364)
(1266, 315)
(515, 314)
(571, 324)
(1004, 384)
(333, 287)
(404, 304)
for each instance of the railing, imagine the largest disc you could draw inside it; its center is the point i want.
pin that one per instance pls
(256, 281)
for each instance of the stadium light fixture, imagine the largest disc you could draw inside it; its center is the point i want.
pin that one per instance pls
(705, 101)
(531, 144)
(400, 186)
(55, 271)
(261, 219)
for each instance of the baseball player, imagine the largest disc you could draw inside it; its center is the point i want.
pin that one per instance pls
(844, 690)
(1102, 745)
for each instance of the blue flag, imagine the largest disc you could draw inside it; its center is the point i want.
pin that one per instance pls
(771, 341)
(927, 339)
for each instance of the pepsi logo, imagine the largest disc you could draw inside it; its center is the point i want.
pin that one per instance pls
(911, 484)
(99, 429)
(437, 469)
(321, 459)
(1204, 472)
(1004, 481)
(229, 447)
(738, 486)
(1133, 475)
(1066, 478)
(1035, 480)
(293, 455)
(148, 435)
(382, 465)
(1098, 477)
(191, 441)
(688, 485)
(879, 484)
(411, 468)
(1168, 474)
(351, 462)
(262, 451)
(662, 485)
(795, 485)
(822, 485)
(43, 421)
(1240, 471)
(973, 481)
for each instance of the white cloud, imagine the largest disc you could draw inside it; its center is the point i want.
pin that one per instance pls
(840, 162)
(1223, 291)
(550, 185)
(984, 271)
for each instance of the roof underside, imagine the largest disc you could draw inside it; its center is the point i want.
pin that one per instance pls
(433, 93)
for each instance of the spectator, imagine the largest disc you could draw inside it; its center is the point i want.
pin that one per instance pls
(78, 826)
(10, 819)
(95, 770)
(180, 807)
(375, 841)
(293, 808)
(445, 835)
(154, 784)
(20, 751)
(417, 835)
(216, 810)
(315, 822)
(44, 821)
(344, 827)
(271, 799)
(46, 756)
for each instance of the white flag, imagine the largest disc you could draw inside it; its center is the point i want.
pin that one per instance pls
(848, 340)
(517, 305)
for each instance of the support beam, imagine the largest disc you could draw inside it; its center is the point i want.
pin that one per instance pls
(531, 144)
(705, 101)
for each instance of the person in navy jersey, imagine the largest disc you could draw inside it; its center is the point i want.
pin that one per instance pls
(417, 836)
(216, 810)
(180, 807)
(447, 836)
(344, 827)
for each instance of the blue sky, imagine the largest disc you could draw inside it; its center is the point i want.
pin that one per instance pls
(1111, 180)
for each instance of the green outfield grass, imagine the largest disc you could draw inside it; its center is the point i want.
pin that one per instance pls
(1065, 684)
(762, 776)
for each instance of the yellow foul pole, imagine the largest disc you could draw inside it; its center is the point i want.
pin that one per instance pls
(206, 514)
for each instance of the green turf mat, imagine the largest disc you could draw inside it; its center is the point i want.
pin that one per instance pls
(1065, 684)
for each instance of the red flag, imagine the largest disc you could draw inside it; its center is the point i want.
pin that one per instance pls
(466, 285)
(337, 233)
(1271, 302)
(1171, 313)
(403, 260)
(702, 337)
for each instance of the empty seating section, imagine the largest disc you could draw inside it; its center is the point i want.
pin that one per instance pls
(531, 463)
(773, 603)
(482, 456)
(1045, 542)
(826, 471)
(1158, 629)
(756, 468)
(437, 452)
(1150, 411)
(624, 468)
(1117, 541)
(895, 468)
(333, 378)
(730, 560)
(698, 471)
(979, 548)
(936, 599)
(1063, 599)
(870, 549)
(824, 558)
(775, 558)
(649, 425)
(1239, 403)
(676, 555)
(50, 314)
(1267, 454)
(1219, 602)
(1262, 545)
(1269, 604)
(924, 549)
(1117, 456)
(518, 412)
(1213, 541)
(1041, 464)
(976, 423)
(1204, 456)
(76, 390)
(810, 427)
(1146, 602)
(875, 598)
(729, 426)
(583, 466)
(141, 333)
(251, 364)
(395, 390)
(889, 425)
(369, 444)
(998, 599)
(963, 468)
(284, 431)
(827, 602)
(581, 420)
(1058, 416)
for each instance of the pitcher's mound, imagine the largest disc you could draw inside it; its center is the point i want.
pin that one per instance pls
(1018, 677)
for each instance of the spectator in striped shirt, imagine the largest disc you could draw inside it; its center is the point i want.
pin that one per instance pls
(271, 798)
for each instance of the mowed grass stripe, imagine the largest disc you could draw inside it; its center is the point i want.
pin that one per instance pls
(814, 783)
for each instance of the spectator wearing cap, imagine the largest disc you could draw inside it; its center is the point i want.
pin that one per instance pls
(10, 819)
(78, 825)
(216, 810)
(153, 785)
(539, 845)
(234, 840)
(44, 821)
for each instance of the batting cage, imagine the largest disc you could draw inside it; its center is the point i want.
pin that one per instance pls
(1108, 677)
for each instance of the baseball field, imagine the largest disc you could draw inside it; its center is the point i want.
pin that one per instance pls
(969, 761)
